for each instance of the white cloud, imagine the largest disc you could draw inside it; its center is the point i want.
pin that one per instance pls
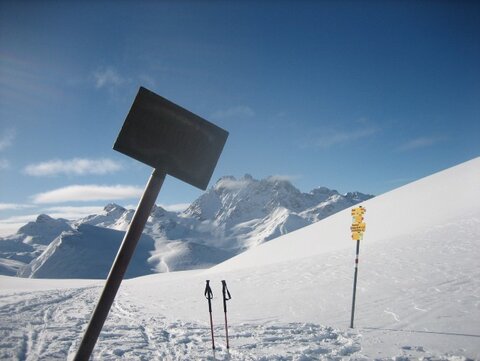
(108, 78)
(11, 225)
(14, 206)
(131, 206)
(7, 229)
(72, 212)
(334, 138)
(420, 142)
(76, 166)
(179, 207)
(4, 164)
(20, 219)
(240, 111)
(231, 183)
(6, 139)
(283, 177)
(86, 193)
(147, 80)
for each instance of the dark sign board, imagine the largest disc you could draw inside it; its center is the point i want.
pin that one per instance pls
(171, 139)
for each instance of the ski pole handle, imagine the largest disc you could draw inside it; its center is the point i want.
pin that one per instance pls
(226, 295)
(209, 295)
(208, 291)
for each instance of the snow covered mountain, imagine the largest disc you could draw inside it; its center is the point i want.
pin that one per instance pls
(243, 213)
(88, 252)
(29, 242)
(232, 216)
(417, 295)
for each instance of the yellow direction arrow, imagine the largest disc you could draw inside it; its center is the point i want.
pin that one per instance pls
(357, 236)
(358, 211)
(358, 218)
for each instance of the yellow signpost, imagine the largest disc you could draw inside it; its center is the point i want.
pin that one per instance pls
(357, 229)
(358, 226)
(357, 236)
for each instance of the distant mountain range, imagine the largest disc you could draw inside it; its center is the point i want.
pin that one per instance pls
(229, 218)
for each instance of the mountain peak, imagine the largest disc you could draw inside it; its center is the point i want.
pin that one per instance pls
(158, 211)
(44, 218)
(319, 190)
(279, 181)
(230, 183)
(357, 196)
(232, 201)
(113, 207)
(44, 229)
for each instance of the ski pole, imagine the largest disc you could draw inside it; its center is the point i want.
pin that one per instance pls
(226, 297)
(209, 296)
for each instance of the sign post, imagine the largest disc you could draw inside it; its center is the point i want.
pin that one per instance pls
(173, 141)
(357, 228)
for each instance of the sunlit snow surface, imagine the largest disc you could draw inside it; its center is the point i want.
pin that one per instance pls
(418, 292)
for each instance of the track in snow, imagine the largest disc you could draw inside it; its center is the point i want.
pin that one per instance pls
(48, 325)
(42, 325)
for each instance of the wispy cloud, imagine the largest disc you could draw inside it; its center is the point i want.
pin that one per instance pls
(86, 193)
(30, 82)
(14, 206)
(11, 225)
(72, 212)
(420, 142)
(179, 207)
(283, 177)
(108, 78)
(20, 219)
(6, 139)
(232, 183)
(147, 80)
(333, 138)
(4, 164)
(240, 111)
(76, 166)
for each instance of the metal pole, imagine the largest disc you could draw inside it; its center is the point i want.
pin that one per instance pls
(211, 325)
(226, 329)
(209, 296)
(120, 265)
(226, 297)
(355, 283)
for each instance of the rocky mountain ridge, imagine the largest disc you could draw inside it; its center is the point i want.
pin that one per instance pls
(232, 216)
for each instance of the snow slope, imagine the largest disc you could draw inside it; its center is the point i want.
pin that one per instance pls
(88, 252)
(418, 292)
(425, 204)
(18, 250)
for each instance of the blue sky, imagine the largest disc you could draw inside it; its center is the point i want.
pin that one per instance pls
(361, 96)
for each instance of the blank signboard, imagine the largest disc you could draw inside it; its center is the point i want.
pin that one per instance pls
(171, 139)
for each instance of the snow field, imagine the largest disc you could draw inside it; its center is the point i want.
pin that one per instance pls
(418, 295)
(48, 325)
